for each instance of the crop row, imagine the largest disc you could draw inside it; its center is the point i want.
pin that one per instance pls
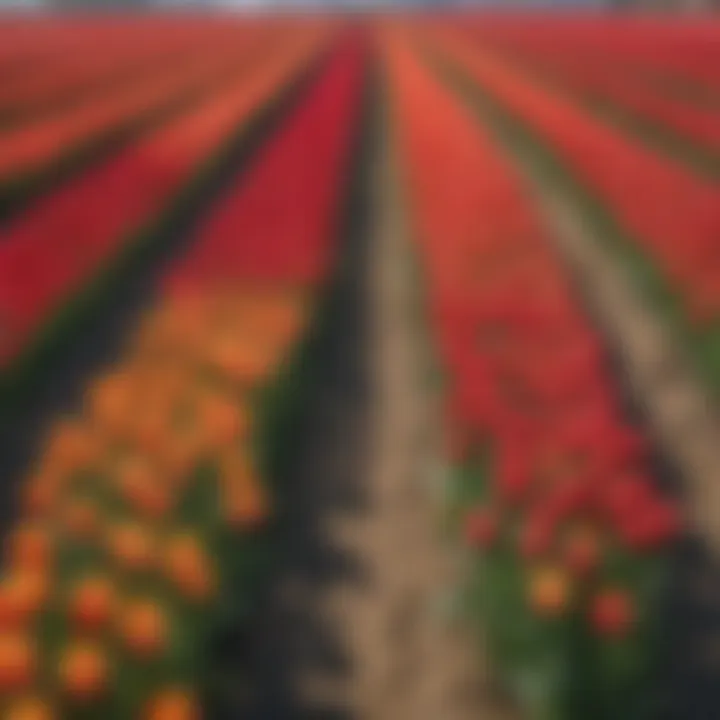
(56, 72)
(661, 218)
(551, 485)
(56, 248)
(34, 149)
(592, 77)
(139, 529)
(644, 47)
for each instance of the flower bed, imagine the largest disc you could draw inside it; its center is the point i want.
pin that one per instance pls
(57, 255)
(646, 46)
(141, 529)
(661, 218)
(33, 155)
(549, 486)
(139, 517)
(591, 71)
(45, 62)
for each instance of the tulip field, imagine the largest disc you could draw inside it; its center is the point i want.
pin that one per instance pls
(180, 220)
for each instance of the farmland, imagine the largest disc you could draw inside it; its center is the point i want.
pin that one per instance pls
(348, 363)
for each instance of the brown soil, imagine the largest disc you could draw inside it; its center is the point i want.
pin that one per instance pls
(411, 662)
(354, 626)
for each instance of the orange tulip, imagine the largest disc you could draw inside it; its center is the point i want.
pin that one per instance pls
(80, 518)
(83, 671)
(39, 494)
(222, 420)
(92, 602)
(150, 429)
(30, 708)
(71, 446)
(141, 486)
(181, 453)
(30, 546)
(173, 704)
(22, 595)
(132, 546)
(245, 504)
(240, 362)
(18, 661)
(143, 628)
(549, 591)
(188, 567)
(110, 403)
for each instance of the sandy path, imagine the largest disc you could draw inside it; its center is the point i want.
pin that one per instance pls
(354, 627)
(410, 662)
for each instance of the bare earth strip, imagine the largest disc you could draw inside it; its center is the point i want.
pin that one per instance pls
(354, 627)
(411, 662)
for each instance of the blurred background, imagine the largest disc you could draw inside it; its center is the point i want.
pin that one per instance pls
(359, 359)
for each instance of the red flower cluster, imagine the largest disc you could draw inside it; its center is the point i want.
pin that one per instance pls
(643, 45)
(280, 222)
(569, 482)
(672, 213)
(587, 65)
(36, 147)
(51, 252)
(45, 61)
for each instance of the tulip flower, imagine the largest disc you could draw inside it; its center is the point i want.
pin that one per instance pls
(537, 535)
(92, 603)
(173, 704)
(568, 476)
(581, 552)
(549, 592)
(18, 661)
(30, 708)
(612, 613)
(481, 528)
(83, 672)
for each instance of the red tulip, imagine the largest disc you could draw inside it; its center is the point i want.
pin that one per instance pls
(536, 536)
(582, 552)
(623, 497)
(569, 498)
(612, 612)
(481, 528)
(653, 526)
(513, 479)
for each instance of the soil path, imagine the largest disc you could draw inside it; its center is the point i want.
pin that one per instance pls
(354, 626)
(411, 662)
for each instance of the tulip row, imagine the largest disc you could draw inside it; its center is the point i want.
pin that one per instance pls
(551, 488)
(32, 151)
(657, 49)
(137, 538)
(136, 519)
(50, 254)
(52, 68)
(592, 78)
(293, 194)
(648, 203)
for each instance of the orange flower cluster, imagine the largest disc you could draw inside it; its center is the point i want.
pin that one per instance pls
(115, 553)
